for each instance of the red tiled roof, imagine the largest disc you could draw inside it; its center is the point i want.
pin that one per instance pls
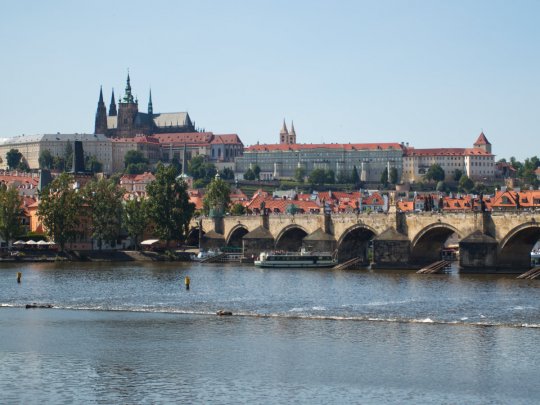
(230, 139)
(482, 140)
(410, 151)
(185, 137)
(136, 139)
(307, 146)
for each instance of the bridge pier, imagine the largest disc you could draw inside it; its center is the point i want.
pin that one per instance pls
(391, 249)
(478, 253)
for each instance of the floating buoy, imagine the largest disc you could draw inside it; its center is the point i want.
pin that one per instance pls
(19, 275)
(187, 280)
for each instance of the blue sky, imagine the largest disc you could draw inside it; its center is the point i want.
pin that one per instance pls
(430, 73)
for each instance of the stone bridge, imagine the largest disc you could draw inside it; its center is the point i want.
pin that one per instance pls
(498, 241)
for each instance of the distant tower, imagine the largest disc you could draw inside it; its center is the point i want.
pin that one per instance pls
(101, 116)
(483, 143)
(292, 135)
(150, 107)
(112, 106)
(284, 133)
(127, 112)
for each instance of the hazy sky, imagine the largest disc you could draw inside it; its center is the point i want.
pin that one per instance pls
(430, 73)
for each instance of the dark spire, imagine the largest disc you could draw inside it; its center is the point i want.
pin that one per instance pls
(100, 126)
(150, 107)
(128, 97)
(112, 107)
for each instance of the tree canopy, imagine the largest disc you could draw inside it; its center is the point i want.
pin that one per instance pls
(45, 159)
(169, 208)
(135, 219)
(13, 158)
(11, 212)
(60, 210)
(217, 197)
(321, 176)
(200, 169)
(104, 201)
(435, 173)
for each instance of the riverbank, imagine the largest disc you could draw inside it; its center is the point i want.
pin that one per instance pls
(98, 256)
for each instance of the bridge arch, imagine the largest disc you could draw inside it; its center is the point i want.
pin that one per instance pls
(290, 238)
(427, 244)
(235, 235)
(515, 248)
(192, 238)
(355, 242)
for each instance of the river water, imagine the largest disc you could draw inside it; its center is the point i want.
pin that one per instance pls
(130, 333)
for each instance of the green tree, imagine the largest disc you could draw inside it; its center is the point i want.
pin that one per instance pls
(330, 177)
(104, 201)
(200, 169)
(169, 208)
(13, 158)
(257, 172)
(317, 176)
(177, 165)
(238, 209)
(134, 157)
(249, 175)
(138, 168)
(46, 159)
(23, 166)
(343, 178)
(384, 177)
(135, 219)
(68, 156)
(440, 186)
(217, 197)
(11, 212)
(59, 163)
(299, 174)
(93, 165)
(435, 173)
(355, 178)
(393, 176)
(465, 183)
(227, 174)
(60, 209)
(457, 174)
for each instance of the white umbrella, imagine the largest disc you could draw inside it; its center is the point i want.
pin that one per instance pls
(42, 243)
(31, 242)
(20, 242)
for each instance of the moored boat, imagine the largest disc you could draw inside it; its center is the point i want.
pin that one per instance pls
(296, 259)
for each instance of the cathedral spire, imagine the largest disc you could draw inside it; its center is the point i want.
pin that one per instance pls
(112, 106)
(100, 126)
(284, 128)
(100, 95)
(128, 97)
(150, 106)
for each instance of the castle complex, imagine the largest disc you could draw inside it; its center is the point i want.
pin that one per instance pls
(127, 121)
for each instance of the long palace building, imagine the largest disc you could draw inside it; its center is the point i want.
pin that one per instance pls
(280, 161)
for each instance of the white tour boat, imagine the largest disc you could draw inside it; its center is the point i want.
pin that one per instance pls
(296, 259)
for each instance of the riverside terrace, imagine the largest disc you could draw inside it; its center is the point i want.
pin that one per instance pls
(488, 241)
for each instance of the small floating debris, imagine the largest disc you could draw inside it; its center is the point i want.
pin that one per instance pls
(223, 313)
(34, 305)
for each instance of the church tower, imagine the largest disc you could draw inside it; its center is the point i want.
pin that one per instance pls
(100, 126)
(112, 106)
(292, 135)
(283, 134)
(483, 143)
(128, 109)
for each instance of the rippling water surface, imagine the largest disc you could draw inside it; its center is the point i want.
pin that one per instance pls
(131, 333)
